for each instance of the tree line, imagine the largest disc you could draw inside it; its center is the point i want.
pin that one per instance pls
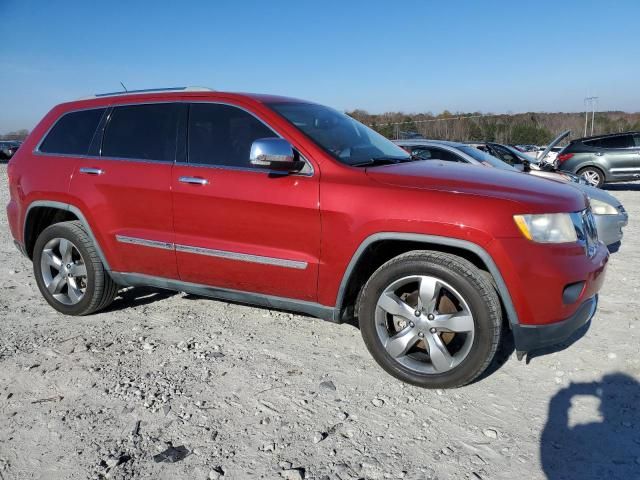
(520, 128)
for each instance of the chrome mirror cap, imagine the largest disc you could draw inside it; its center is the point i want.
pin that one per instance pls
(275, 153)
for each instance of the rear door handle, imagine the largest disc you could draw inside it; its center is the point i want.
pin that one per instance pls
(194, 180)
(91, 171)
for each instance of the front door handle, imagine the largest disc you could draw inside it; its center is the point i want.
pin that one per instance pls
(194, 180)
(91, 171)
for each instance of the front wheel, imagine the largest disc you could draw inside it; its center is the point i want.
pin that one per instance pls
(593, 176)
(430, 319)
(69, 272)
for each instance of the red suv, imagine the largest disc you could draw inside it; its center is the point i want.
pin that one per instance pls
(291, 205)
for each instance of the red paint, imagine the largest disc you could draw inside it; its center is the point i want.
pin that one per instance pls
(319, 219)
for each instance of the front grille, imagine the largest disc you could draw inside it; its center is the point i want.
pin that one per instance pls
(590, 232)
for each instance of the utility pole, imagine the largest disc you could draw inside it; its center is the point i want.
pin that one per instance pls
(592, 102)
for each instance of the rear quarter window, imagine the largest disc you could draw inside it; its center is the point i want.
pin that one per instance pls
(72, 133)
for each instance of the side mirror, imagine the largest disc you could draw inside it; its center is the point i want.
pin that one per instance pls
(275, 154)
(526, 166)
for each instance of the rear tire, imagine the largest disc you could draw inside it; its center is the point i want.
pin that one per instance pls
(593, 176)
(69, 272)
(463, 339)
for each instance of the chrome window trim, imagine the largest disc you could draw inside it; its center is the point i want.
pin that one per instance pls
(145, 242)
(36, 150)
(243, 257)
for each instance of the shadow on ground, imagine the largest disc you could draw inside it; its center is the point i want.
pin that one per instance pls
(138, 296)
(608, 448)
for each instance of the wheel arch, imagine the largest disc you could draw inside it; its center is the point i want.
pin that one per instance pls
(43, 213)
(381, 247)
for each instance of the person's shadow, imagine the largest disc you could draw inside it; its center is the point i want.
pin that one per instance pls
(606, 449)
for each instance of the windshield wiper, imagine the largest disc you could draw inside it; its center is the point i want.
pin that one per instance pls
(376, 161)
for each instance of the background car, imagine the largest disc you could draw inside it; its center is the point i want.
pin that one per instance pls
(603, 159)
(8, 148)
(610, 215)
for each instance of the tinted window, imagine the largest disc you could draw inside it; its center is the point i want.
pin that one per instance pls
(147, 132)
(485, 158)
(72, 134)
(222, 135)
(447, 156)
(636, 139)
(619, 141)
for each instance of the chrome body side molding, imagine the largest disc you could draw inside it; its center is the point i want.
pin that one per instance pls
(243, 257)
(280, 303)
(144, 242)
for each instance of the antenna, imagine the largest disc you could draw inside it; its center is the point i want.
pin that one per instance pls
(125, 88)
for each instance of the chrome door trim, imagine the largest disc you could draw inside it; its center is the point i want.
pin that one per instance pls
(242, 257)
(314, 309)
(210, 252)
(144, 242)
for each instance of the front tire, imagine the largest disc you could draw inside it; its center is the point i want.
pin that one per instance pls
(431, 319)
(69, 272)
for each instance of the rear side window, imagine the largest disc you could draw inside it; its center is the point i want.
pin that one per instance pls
(222, 135)
(72, 133)
(145, 132)
(619, 141)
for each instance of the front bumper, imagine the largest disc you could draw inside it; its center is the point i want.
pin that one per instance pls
(610, 227)
(529, 338)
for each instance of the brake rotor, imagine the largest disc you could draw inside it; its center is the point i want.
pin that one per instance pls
(445, 305)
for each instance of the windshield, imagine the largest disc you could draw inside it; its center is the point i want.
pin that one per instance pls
(485, 158)
(346, 139)
(521, 155)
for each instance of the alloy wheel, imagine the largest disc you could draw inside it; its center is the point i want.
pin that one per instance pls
(424, 324)
(64, 271)
(592, 177)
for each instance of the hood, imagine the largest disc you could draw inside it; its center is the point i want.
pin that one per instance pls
(555, 141)
(588, 190)
(536, 194)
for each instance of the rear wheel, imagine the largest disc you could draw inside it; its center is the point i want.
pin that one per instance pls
(69, 272)
(593, 176)
(430, 319)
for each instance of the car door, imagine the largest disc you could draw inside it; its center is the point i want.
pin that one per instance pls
(237, 226)
(124, 187)
(619, 154)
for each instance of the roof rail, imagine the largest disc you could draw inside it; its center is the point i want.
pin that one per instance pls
(149, 90)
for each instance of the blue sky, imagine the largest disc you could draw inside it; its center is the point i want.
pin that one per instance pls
(489, 56)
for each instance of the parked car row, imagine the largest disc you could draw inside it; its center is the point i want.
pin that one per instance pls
(609, 213)
(8, 148)
(288, 204)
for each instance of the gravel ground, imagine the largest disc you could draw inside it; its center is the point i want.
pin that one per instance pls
(169, 385)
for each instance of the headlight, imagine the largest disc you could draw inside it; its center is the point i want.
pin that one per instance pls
(598, 207)
(547, 228)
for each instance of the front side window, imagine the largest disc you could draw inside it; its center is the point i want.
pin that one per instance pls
(223, 134)
(444, 155)
(72, 134)
(144, 132)
(344, 138)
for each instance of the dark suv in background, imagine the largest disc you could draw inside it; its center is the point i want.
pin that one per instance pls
(603, 159)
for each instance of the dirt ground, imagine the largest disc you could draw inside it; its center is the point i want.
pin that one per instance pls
(232, 392)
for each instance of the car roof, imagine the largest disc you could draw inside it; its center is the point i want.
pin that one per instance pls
(607, 135)
(160, 94)
(425, 141)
